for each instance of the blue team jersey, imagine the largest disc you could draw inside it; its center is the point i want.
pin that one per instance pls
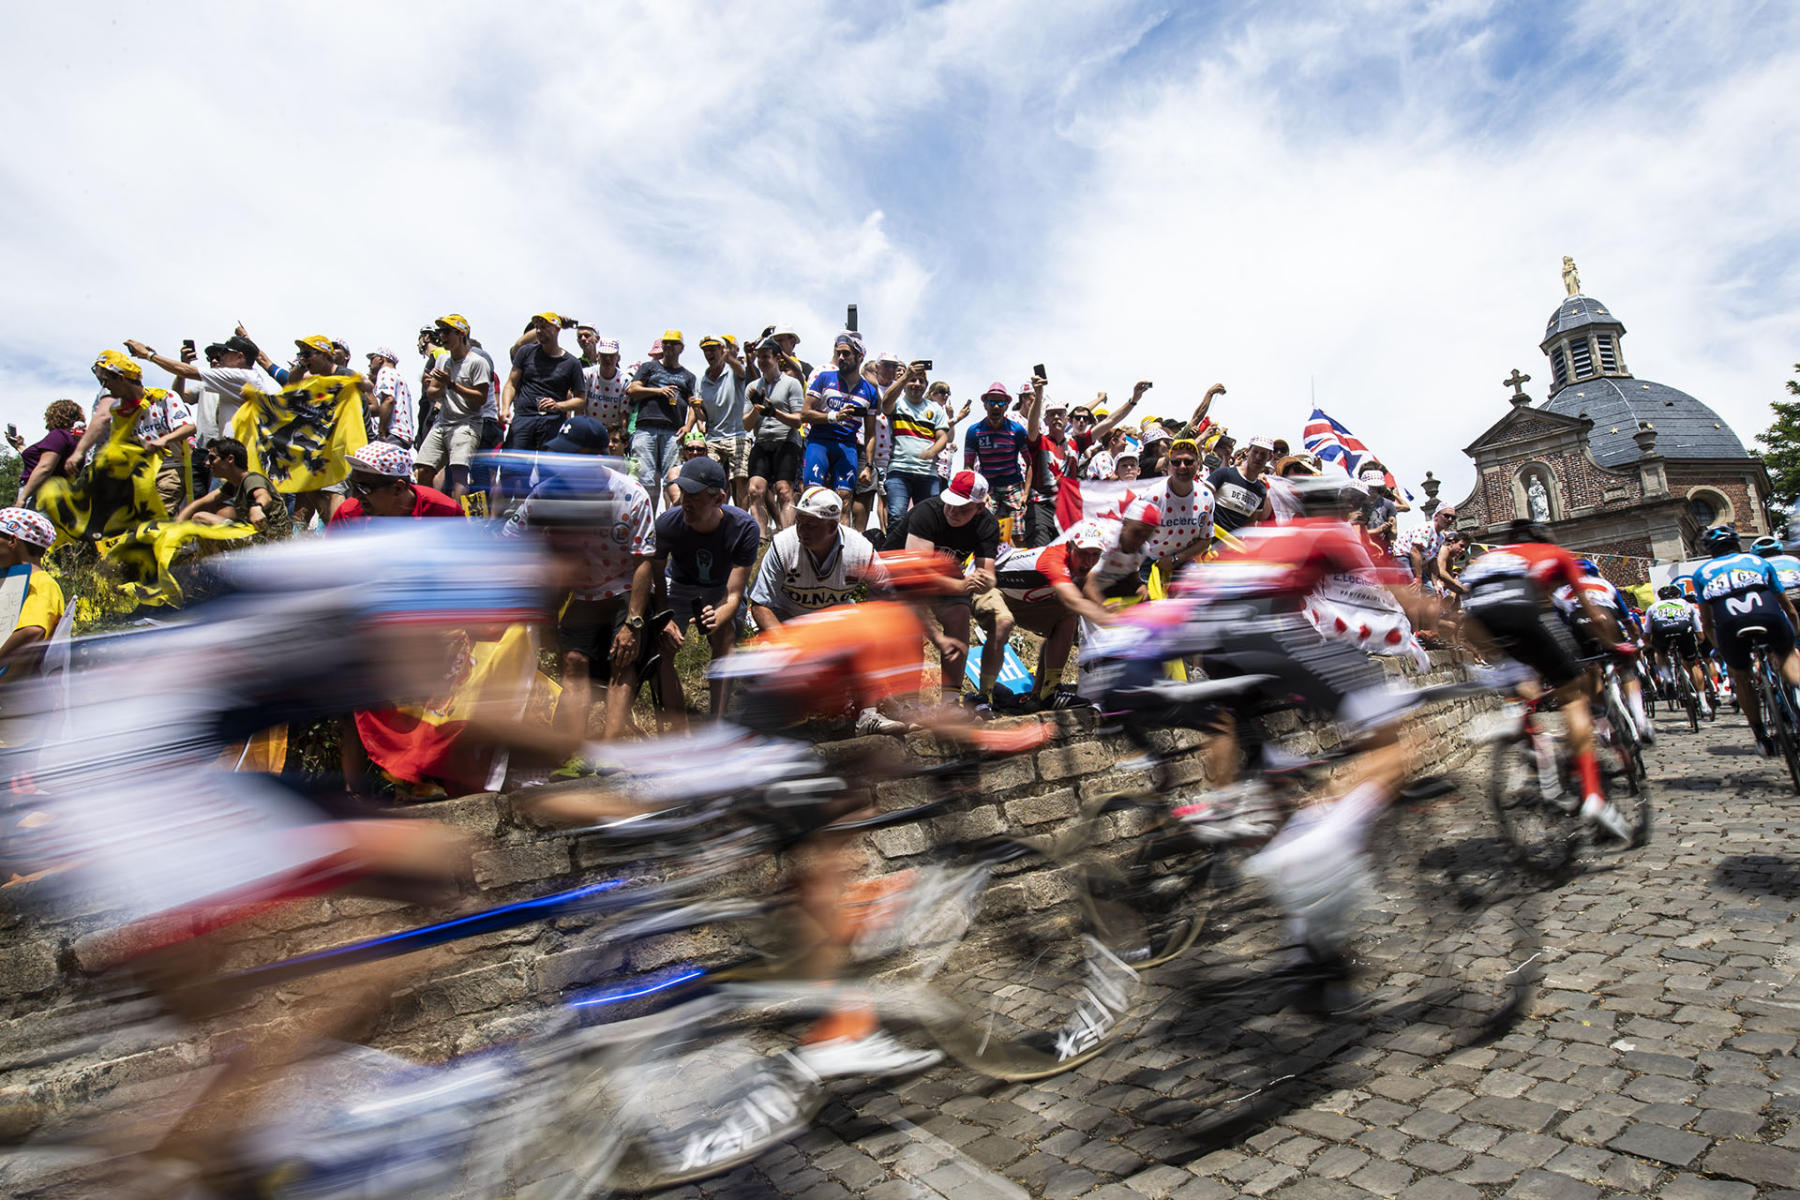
(848, 405)
(1787, 569)
(997, 451)
(1720, 579)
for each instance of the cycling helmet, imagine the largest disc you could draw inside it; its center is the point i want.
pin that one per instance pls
(1329, 495)
(904, 571)
(1767, 545)
(1588, 565)
(1668, 591)
(1720, 539)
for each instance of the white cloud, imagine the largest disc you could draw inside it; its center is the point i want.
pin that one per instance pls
(1370, 199)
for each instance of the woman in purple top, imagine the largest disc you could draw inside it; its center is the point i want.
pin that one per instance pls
(46, 456)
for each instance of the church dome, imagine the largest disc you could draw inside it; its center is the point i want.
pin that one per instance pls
(1578, 312)
(1685, 428)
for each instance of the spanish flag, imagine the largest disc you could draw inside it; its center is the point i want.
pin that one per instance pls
(302, 436)
(423, 743)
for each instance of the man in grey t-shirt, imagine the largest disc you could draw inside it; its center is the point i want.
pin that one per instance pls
(720, 392)
(776, 400)
(459, 386)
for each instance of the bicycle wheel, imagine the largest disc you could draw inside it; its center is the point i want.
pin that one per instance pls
(1689, 701)
(1031, 990)
(1621, 738)
(1150, 901)
(1779, 714)
(1539, 832)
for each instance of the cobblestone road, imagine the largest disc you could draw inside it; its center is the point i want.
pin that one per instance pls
(1657, 1059)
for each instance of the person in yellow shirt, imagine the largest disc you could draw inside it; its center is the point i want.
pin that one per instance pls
(28, 593)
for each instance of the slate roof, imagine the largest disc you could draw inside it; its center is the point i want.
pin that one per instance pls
(1685, 428)
(1577, 311)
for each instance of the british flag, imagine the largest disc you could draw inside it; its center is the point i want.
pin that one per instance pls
(1333, 443)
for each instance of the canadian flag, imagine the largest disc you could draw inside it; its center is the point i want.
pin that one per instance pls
(1079, 500)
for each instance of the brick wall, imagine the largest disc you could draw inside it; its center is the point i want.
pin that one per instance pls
(487, 988)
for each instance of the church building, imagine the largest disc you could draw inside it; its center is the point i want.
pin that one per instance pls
(1617, 466)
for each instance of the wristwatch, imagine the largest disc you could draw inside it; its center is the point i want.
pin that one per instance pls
(635, 624)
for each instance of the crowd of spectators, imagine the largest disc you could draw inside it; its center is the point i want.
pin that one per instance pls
(746, 494)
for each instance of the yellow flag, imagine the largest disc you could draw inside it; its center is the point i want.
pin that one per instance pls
(301, 437)
(115, 493)
(138, 563)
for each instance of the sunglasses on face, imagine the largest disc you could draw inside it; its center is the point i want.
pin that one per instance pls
(1184, 462)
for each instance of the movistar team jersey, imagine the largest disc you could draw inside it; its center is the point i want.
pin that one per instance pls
(848, 405)
(1787, 569)
(1673, 616)
(1729, 576)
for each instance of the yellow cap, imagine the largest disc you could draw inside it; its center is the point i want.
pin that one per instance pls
(708, 340)
(118, 364)
(457, 322)
(1180, 444)
(317, 341)
(1100, 414)
(548, 316)
(673, 335)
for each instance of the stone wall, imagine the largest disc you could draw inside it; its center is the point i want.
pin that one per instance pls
(479, 991)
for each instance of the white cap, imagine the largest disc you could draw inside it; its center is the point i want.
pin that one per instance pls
(820, 502)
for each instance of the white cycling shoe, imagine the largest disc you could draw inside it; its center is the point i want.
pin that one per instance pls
(877, 1054)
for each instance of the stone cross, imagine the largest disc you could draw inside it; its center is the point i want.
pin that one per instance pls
(1517, 383)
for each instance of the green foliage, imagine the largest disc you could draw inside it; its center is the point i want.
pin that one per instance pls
(10, 466)
(1781, 453)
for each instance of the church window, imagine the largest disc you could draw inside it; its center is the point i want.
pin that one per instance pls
(1703, 511)
(1609, 356)
(1581, 358)
(1559, 367)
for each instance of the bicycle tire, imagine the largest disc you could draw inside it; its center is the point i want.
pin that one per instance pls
(1150, 903)
(1540, 836)
(1032, 990)
(1621, 741)
(1783, 719)
(1689, 701)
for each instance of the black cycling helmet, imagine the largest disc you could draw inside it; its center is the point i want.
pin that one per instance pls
(1768, 545)
(1526, 530)
(1329, 495)
(1668, 591)
(1720, 539)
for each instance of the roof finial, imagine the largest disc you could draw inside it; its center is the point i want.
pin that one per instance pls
(1571, 277)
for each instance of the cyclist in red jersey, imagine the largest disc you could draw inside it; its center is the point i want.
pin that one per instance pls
(1510, 611)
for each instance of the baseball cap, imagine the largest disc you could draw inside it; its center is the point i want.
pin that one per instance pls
(118, 364)
(1128, 450)
(549, 317)
(579, 435)
(852, 340)
(1447, 511)
(317, 341)
(27, 526)
(1141, 509)
(1101, 413)
(384, 352)
(890, 358)
(817, 501)
(701, 475)
(606, 346)
(382, 458)
(1089, 536)
(235, 345)
(711, 340)
(785, 330)
(1262, 442)
(1187, 444)
(996, 391)
(673, 335)
(1051, 406)
(966, 487)
(455, 321)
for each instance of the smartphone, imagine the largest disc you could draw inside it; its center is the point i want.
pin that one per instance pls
(924, 364)
(187, 344)
(569, 322)
(12, 430)
(850, 318)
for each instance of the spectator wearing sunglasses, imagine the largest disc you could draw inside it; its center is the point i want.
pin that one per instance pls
(381, 486)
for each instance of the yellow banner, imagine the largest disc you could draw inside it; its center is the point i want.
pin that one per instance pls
(302, 437)
(139, 561)
(115, 493)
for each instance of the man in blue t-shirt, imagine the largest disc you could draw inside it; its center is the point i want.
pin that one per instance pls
(544, 388)
(705, 549)
(999, 448)
(1740, 594)
(840, 416)
(659, 393)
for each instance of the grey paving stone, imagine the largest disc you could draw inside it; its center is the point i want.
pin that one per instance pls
(1549, 1185)
(1660, 1143)
(1755, 1163)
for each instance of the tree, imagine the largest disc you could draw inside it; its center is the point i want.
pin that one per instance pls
(1781, 454)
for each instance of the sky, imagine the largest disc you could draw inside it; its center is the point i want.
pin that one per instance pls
(1366, 204)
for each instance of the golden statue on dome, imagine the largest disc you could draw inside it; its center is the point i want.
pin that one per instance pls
(1571, 277)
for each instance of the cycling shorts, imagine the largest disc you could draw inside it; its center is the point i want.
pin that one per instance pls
(1325, 677)
(1731, 628)
(1678, 640)
(1528, 631)
(830, 464)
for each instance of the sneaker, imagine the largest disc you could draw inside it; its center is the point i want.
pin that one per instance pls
(1599, 812)
(1240, 812)
(871, 722)
(878, 1054)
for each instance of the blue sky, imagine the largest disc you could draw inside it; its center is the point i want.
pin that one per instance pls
(1369, 201)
